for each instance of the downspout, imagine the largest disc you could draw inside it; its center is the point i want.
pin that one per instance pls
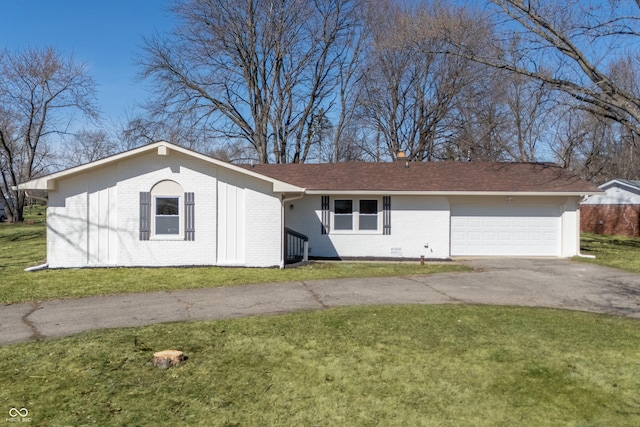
(580, 255)
(282, 233)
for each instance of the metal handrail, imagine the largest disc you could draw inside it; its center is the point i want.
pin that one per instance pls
(295, 246)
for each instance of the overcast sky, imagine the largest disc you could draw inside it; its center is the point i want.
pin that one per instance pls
(104, 34)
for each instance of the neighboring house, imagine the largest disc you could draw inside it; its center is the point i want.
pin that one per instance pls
(163, 205)
(615, 212)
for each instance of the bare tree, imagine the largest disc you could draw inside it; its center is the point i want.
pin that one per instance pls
(87, 146)
(502, 116)
(253, 70)
(39, 92)
(481, 123)
(141, 129)
(596, 148)
(411, 87)
(569, 46)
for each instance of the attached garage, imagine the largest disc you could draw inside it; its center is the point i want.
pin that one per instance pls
(506, 230)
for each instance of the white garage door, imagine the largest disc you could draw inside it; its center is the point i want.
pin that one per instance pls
(505, 230)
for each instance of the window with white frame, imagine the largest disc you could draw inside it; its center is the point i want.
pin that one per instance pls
(167, 216)
(166, 197)
(343, 215)
(368, 215)
(355, 214)
(167, 213)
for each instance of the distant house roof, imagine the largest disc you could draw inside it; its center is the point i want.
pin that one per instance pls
(429, 177)
(624, 182)
(616, 192)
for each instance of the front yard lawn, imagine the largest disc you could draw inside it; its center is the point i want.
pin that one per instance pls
(451, 365)
(23, 245)
(612, 251)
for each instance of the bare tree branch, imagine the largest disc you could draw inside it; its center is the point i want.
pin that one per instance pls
(39, 88)
(256, 70)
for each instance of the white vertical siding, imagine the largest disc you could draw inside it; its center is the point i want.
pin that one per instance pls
(67, 233)
(102, 219)
(94, 217)
(231, 221)
(248, 221)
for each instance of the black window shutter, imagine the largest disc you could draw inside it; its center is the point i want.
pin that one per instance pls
(145, 215)
(326, 215)
(386, 215)
(189, 217)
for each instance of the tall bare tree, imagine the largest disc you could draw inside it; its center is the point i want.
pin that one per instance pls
(254, 70)
(480, 124)
(596, 148)
(502, 116)
(411, 86)
(40, 90)
(569, 46)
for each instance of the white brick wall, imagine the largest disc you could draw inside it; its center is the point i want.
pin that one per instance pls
(263, 225)
(419, 226)
(74, 240)
(94, 219)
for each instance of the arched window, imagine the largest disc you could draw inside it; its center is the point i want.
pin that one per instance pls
(167, 212)
(166, 200)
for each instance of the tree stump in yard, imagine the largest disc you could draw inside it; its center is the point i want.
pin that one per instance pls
(167, 358)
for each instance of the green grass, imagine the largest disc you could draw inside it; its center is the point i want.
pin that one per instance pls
(23, 245)
(612, 251)
(373, 366)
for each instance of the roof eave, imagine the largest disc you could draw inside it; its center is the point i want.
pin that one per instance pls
(454, 193)
(48, 183)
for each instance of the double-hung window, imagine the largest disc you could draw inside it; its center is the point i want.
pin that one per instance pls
(355, 215)
(167, 217)
(167, 212)
(343, 215)
(368, 215)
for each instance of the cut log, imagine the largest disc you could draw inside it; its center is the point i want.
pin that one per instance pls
(167, 358)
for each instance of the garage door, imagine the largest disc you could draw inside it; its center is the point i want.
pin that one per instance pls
(505, 230)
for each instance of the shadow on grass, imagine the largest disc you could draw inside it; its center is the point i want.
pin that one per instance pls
(590, 240)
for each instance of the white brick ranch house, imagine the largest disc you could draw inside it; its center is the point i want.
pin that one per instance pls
(164, 205)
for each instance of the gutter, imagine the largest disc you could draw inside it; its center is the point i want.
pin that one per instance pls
(454, 193)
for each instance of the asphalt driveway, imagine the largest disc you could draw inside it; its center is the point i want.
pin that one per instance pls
(542, 282)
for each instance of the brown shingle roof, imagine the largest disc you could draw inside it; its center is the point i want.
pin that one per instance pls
(428, 177)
